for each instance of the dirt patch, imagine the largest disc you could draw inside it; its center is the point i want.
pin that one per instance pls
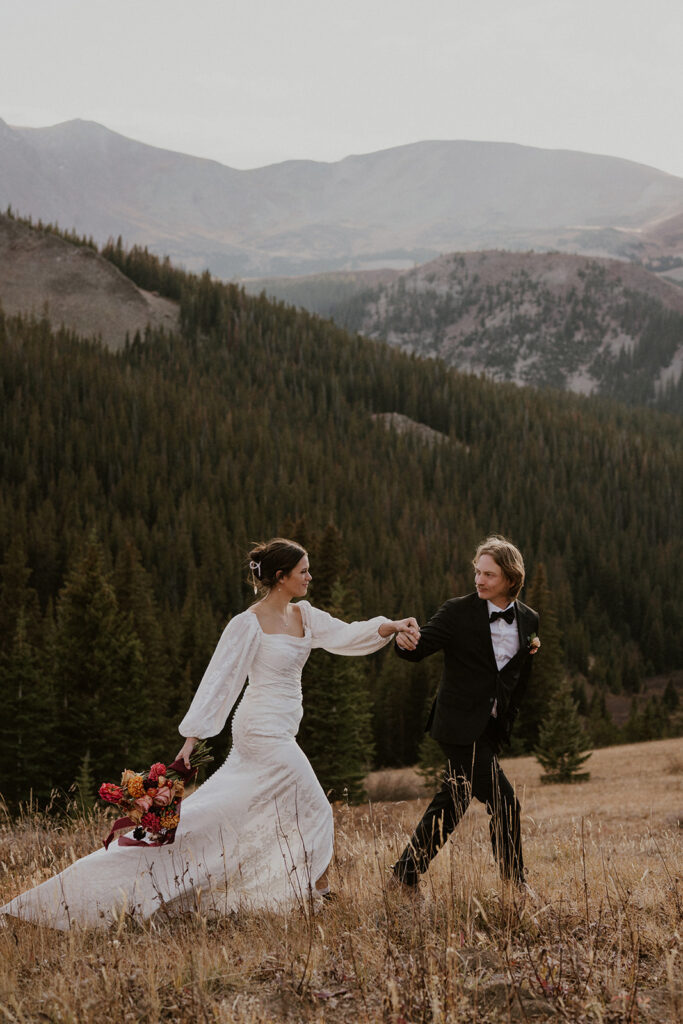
(74, 287)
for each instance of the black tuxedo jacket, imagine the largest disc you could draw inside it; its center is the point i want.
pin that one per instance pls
(471, 680)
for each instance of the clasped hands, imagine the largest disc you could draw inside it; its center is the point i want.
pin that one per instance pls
(407, 633)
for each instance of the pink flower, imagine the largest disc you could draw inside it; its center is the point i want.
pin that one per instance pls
(110, 792)
(156, 771)
(144, 802)
(164, 796)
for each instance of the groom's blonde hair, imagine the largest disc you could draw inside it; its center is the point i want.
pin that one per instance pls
(508, 557)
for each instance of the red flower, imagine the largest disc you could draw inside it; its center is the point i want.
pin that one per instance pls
(156, 771)
(110, 792)
(152, 822)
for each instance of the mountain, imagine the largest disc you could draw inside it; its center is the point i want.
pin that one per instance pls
(546, 319)
(72, 285)
(394, 207)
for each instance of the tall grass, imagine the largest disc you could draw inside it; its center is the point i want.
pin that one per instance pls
(600, 940)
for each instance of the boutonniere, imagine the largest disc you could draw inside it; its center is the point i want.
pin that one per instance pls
(533, 643)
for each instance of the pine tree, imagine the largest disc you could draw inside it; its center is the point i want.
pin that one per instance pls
(17, 598)
(670, 698)
(548, 669)
(328, 565)
(336, 731)
(136, 601)
(562, 742)
(601, 728)
(27, 762)
(102, 700)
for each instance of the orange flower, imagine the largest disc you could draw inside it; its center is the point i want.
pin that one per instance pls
(169, 820)
(136, 786)
(179, 788)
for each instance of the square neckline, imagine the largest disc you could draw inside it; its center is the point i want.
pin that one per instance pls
(292, 636)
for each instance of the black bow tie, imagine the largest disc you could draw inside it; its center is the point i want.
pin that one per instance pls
(508, 615)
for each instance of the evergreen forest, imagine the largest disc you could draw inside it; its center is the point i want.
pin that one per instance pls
(514, 321)
(133, 484)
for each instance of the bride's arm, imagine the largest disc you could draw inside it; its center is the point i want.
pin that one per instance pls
(222, 681)
(352, 638)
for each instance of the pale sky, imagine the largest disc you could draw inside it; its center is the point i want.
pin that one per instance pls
(254, 82)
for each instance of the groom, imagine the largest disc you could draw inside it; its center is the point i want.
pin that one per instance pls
(488, 639)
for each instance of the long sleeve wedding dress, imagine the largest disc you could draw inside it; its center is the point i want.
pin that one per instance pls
(259, 832)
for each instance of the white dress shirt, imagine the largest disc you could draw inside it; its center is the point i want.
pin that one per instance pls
(505, 640)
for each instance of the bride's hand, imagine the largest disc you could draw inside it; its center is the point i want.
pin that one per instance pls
(408, 625)
(186, 749)
(407, 633)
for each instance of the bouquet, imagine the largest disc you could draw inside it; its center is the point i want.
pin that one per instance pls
(151, 800)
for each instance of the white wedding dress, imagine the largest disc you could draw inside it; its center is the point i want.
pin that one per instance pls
(259, 832)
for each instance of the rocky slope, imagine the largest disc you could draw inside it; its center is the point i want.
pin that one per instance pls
(41, 273)
(547, 319)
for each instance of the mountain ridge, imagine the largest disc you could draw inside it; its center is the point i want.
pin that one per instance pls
(395, 206)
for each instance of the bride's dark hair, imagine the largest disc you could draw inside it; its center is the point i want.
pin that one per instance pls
(277, 557)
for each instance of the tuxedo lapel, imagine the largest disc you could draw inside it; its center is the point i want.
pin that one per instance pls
(483, 629)
(520, 627)
(524, 626)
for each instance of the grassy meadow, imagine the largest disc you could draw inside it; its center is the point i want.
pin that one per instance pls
(600, 939)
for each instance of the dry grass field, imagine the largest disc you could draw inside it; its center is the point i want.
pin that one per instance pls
(600, 940)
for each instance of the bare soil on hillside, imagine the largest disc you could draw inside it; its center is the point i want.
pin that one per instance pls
(74, 287)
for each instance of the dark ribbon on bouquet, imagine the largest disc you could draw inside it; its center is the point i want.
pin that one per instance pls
(186, 774)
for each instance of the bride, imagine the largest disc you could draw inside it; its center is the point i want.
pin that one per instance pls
(259, 832)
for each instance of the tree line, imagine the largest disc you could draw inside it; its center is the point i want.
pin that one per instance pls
(133, 484)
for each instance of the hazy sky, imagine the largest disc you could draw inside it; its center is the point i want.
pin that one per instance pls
(252, 82)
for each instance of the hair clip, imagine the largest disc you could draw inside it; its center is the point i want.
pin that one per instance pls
(255, 568)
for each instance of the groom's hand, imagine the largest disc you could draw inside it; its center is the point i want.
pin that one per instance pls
(407, 634)
(405, 642)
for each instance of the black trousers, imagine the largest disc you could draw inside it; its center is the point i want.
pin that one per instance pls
(471, 771)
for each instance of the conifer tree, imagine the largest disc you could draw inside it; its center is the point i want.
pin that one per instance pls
(336, 731)
(548, 670)
(601, 728)
(27, 757)
(562, 743)
(136, 601)
(102, 700)
(670, 698)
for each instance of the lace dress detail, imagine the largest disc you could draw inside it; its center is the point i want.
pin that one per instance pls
(259, 832)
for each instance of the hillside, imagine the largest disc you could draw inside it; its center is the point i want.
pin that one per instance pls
(73, 286)
(135, 481)
(389, 208)
(546, 319)
(597, 940)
